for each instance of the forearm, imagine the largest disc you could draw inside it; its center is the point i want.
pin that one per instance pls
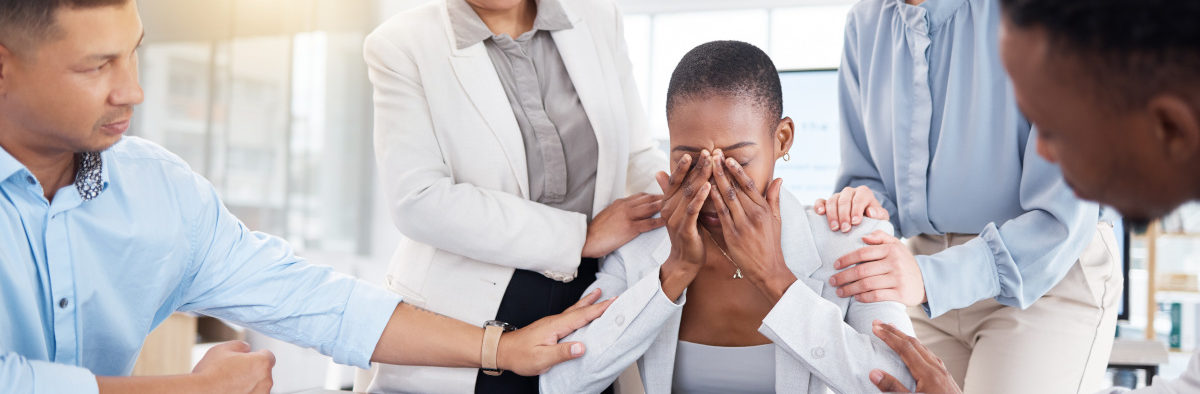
(416, 336)
(182, 384)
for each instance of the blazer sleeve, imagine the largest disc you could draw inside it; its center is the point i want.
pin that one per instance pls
(645, 159)
(840, 350)
(426, 203)
(620, 336)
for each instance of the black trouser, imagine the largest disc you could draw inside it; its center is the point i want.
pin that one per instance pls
(531, 296)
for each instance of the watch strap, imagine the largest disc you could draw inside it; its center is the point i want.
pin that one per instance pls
(491, 343)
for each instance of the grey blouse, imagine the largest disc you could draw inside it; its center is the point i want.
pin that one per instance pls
(560, 144)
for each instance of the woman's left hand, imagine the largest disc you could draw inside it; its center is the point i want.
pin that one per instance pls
(751, 226)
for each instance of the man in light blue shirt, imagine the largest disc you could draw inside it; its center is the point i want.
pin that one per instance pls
(103, 237)
(1016, 287)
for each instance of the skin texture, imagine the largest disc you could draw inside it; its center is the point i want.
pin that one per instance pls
(75, 93)
(1140, 159)
(706, 131)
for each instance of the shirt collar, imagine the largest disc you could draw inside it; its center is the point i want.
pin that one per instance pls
(932, 13)
(8, 165)
(470, 30)
(91, 178)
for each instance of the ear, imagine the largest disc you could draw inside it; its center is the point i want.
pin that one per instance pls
(6, 61)
(785, 134)
(1177, 128)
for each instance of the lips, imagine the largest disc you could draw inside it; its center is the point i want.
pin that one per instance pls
(116, 128)
(709, 218)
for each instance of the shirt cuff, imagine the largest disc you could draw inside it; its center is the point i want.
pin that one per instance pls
(61, 378)
(958, 277)
(368, 311)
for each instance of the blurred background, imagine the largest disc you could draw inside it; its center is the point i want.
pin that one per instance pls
(269, 99)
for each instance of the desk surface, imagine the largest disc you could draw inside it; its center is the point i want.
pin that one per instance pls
(1131, 352)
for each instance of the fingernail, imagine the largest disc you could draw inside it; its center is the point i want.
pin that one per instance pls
(845, 226)
(871, 211)
(718, 153)
(731, 162)
(856, 220)
(576, 349)
(833, 281)
(705, 153)
(876, 377)
(833, 225)
(820, 210)
(841, 293)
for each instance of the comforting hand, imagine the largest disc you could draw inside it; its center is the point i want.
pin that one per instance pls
(751, 226)
(231, 367)
(532, 350)
(621, 222)
(882, 271)
(846, 208)
(927, 369)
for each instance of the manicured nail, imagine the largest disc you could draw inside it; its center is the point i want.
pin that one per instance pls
(876, 376)
(856, 220)
(820, 209)
(845, 226)
(833, 226)
(576, 349)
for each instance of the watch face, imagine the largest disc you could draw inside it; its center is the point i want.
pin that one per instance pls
(507, 327)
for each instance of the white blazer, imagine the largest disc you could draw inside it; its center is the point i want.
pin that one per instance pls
(453, 167)
(821, 340)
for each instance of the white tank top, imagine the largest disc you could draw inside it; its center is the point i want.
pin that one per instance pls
(704, 369)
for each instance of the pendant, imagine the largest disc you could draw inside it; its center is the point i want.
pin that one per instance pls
(737, 274)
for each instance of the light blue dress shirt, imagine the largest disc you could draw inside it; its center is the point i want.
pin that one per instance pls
(82, 282)
(931, 125)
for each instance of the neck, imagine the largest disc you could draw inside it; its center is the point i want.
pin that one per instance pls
(914, 2)
(512, 21)
(53, 168)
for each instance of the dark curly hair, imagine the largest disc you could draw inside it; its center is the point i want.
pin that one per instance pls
(728, 68)
(1143, 48)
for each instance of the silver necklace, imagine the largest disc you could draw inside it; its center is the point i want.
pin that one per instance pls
(736, 274)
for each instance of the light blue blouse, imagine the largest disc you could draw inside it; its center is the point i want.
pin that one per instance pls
(930, 123)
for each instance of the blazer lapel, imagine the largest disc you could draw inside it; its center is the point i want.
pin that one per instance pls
(799, 248)
(579, 52)
(478, 79)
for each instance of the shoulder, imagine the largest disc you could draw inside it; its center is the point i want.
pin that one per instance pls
(834, 244)
(427, 21)
(646, 250)
(868, 11)
(130, 150)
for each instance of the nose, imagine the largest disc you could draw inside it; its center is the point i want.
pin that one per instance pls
(127, 91)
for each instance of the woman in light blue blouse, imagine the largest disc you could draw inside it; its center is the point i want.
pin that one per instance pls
(1014, 281)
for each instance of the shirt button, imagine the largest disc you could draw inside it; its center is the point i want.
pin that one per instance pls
(29, 178)
(818, 353)
(63, 303)
(620, 320)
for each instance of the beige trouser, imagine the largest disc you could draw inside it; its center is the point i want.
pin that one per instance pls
(1060, 344)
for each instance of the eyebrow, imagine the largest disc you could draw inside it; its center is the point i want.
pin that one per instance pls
(110, 56)
(739, 145)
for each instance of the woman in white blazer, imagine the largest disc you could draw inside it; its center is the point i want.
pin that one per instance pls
(732, 295)
(504, 129)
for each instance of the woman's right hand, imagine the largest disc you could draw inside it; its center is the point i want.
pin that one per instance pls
(845, 209)
(685, 191)
(621, 222)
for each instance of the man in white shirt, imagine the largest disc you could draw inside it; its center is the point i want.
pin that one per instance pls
(1114, 89)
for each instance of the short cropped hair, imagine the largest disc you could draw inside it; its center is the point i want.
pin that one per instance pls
(1141, 48)
(24, 23)
(727, 68)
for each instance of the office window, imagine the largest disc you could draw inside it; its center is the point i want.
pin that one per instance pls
(277, 116)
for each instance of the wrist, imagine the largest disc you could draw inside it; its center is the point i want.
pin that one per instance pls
(775, 284)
